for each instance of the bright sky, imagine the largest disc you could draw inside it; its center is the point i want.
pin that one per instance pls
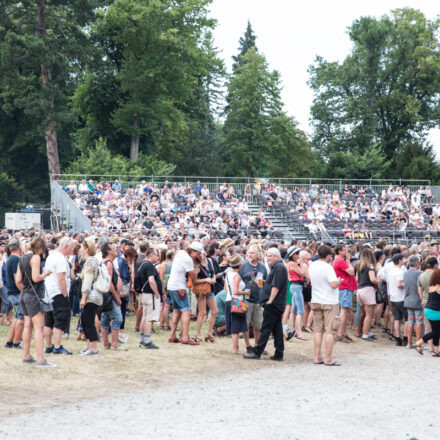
(290, 33)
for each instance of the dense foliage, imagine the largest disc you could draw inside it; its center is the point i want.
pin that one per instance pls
(138, 87)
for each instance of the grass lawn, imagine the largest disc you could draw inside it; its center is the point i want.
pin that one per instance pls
(25, 387)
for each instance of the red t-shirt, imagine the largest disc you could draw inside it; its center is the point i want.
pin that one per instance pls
(340, 265)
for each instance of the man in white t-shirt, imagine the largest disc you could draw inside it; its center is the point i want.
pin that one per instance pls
(58, 286)
(325, 304)
(181, 269)
(396, 291)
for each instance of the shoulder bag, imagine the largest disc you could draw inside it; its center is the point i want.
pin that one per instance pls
(45, 302)
(203, 288)
(239, 306)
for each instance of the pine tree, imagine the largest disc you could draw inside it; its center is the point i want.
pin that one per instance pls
(246, 43)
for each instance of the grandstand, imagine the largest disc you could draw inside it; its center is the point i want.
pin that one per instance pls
(217, 207)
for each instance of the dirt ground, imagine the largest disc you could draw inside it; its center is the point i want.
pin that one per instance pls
(25, 388)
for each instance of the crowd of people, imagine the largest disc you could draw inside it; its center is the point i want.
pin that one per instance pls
(353, 212)
(170, 209)
(230, 287)
(357, 212)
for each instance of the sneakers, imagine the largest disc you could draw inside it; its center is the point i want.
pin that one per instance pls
(368, 338)
(49, 349)
(150, 346)
(399, 342)
(29, 360)
(123, 339)
(276, 358)
(18, 346)
(83, 350)
(61, 350)
(89, 353)
(9, 345)
(45, 364)
(249, 349)
(290, 335)
(252, 355)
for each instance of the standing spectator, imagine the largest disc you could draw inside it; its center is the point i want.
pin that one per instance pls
(366, 294)
(114, 316)
(205, 274)
(151, 290)
(235, 289)
(91, 299)
(325, 304)
(432, 311)
(345, 272)
(412, 301)
(254, 273)
(296, 275)
(396, 291)
(58, 286)
(6, 305)
(16, 329)
(273, 299)
(183, 266)
(423, 288)
(29, 273)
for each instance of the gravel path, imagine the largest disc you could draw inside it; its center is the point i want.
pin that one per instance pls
(389, 393)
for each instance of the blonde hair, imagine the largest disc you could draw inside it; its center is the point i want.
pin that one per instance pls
(90, 245)
(367, 259)
(257, 249)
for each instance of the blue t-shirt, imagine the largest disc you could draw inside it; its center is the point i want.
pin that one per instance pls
(248, 274)
(11, 269)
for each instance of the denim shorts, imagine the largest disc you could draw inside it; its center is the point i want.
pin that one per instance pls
(211, 295)
(6, 304)
(15, 301)
(114, 315)
(297, 299)
(179, 305)
(345, 298)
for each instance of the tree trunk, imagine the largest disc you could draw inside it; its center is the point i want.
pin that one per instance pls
(134, 147)
(51, 134)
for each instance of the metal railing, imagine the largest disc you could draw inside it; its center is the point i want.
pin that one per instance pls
(70, 213)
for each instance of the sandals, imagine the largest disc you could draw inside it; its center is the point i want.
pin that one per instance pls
(210, 338)
(435, 354)
(197, 339)
(190, 342)
(419, 350)
(307, 329)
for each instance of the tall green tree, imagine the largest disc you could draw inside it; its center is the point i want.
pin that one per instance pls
(383, 97)
(156, 51)
(43, 44)
(261, 139)
(246, 42)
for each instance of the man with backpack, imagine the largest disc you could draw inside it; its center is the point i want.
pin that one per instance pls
(148, 282)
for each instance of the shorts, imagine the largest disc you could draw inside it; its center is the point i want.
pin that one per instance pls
(30, 304)
(415, 316)
(15, 302)
(345, 298)
(114, 316)
(326, 318)
(150, 309)
(399, 312)
(59, 318)
(254, 316)
(289, 295)
(307, 293)
(6, 304)
(211, 295)
(219, 321)
(297, 299)
(179, 305)
(366, 296)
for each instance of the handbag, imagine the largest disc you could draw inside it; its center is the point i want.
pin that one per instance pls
(239, 306)
(45, 302)
(125, 291)
(380, 297)
(203, 288)
(107, 302)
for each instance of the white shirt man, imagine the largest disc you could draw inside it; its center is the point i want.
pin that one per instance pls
(58, 286)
